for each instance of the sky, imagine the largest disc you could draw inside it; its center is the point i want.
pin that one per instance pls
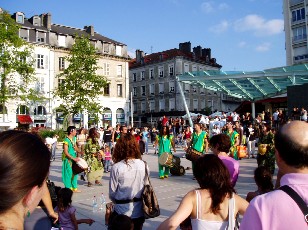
(244, 35)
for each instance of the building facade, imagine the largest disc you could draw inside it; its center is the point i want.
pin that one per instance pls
(295, 26)
(155, 91)
(52, 44)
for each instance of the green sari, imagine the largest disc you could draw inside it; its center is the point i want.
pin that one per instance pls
(68, 178)
(233, 137)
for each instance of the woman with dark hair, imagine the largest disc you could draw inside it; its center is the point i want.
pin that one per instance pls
(127, 180)
(164, 141)
(263, 179)
(208, 207)
(93, 158)
(266, 149)
(24, 166)
(220, 145)
(69, 155)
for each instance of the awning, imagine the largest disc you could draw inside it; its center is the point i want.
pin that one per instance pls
(24, 119)
(252, 86)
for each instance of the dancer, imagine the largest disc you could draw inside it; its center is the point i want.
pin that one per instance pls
(69, 155)
(165, 142)
(234, 138)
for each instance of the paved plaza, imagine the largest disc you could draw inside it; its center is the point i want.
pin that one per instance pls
(169, 191)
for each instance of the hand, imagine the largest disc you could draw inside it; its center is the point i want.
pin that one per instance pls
(76, 159)
(54, 216)
(174, 150)
(90, 222)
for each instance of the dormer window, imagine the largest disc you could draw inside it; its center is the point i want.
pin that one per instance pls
(40, 37)
(36, 21)
(20, 17)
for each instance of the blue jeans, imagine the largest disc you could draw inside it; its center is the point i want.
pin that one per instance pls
(107, 165)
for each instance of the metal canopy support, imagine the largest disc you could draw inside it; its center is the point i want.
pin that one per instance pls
(241, 88)
(253, 109)
(185, 104)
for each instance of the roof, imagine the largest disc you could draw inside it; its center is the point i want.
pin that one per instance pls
(60, 29)
(252, 86)
(170, 54)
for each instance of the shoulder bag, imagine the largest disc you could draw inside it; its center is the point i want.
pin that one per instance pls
(149, 200)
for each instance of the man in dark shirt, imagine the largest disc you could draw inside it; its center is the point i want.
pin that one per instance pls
(107, 138)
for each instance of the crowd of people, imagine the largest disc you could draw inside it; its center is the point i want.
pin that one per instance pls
(214, 205)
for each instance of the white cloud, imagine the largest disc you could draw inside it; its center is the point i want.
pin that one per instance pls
(207, 7)
(263, 47)
(223, 6)
(221, 27)
(211, 6)
(258, 25)
(242, 44)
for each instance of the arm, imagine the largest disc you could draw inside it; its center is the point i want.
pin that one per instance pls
(113, 183)
(48, 204)
(240, 204)
(183, 211)
(172, 144)
(65, 149)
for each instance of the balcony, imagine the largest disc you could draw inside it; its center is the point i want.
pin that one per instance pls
(299, 38)
(295, 2)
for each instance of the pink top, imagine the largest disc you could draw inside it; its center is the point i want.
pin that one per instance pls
(277, 210)
(232, 166)
(65, 217)
(107, 156)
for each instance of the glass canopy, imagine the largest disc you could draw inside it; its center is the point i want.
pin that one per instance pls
(252, 86)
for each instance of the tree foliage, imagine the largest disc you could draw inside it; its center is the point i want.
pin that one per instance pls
(16, 62)
(81, 85)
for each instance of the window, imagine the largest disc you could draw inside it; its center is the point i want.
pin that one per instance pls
(61, 63)
(171, 70)
(106, 47)
(143, 90)
(24, 34)
(172, 104)
(152, 105)
(119, 90)
(60, 82)
(186, 68)
(195, 104)
(118, 50)
(40, 61)
(299, 33)
(194, 89)
(40, 85)
(36, 21)
(142, 76)
(40, 36)
(40, 110)
(161, 71)
(142, 107)
(119, 70)
(20, 18)
(161, 88)
(298, 15)
(162, 105)
(107, 90)
(186, 87)
(134, 77)
(135, 107)
(106, 69)
(194, 68)
(171, 86)
(152, 89)
(61, 41)
(151, 73)
(135, 91)
(202, 91)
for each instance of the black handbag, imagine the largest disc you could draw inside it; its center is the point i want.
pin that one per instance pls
(149, 200)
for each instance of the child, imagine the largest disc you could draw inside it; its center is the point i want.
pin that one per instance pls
(107, 158)
(66, 211)
(263, 179)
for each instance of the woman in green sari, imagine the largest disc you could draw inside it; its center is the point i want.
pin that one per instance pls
(69, 155)
(93, 156)
(234, 138)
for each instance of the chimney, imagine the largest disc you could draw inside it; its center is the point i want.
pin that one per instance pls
(139, 56)
(89, 30)
(46, 20)
(206, 53)
(198, 52)
(185, 47)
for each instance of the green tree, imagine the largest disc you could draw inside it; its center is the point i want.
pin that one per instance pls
(16, 62)
(81, 85)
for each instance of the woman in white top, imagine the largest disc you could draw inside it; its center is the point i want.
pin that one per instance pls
(208, 207)
(82, 139)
